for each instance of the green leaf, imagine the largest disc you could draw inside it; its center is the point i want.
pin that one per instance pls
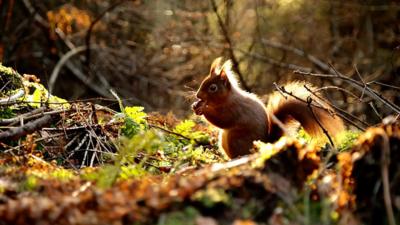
(131, 171)
(135, 121)
(104, 177)
(186, 128)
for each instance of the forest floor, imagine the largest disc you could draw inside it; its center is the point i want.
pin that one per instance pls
(84, 163)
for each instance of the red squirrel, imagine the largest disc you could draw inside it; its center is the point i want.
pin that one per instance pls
(243, 118)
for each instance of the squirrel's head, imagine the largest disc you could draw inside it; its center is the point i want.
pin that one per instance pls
(216, 87)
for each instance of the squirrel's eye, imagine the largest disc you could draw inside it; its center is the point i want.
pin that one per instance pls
(213, 88)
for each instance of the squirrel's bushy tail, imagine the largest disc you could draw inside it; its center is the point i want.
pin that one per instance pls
(287, 108)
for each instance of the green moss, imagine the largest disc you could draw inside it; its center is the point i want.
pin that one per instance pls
(212, 196)
(29, 184)
(62, 174)
(343, 141)
(303, 135)
(147, 142)
(10, 81)
(6, 113)
(39, 95)
(169, 150)
(185, 217)
(267, 150)
(186, 128)
(250, 209)
(6, 70)
(347, 139)
(104, 177)
(131, 171)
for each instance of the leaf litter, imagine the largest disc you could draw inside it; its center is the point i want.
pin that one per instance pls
(89, 164)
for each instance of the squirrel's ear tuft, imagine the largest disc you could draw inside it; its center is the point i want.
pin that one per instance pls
(224, 78)
(216, 66)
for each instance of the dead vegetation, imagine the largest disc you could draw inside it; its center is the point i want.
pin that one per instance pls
(83, 163)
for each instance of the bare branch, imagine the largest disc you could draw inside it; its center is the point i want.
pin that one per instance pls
(15, 133)
(309, 101)
(23, 116)
(319, 63)
(385, 85)
(61, 63)
(13, 98)
(43, 22)
(170, 132)
(339, 89)
(333, 73)
(357, 85)
(225, 33)
(385, 161)
(343, 114)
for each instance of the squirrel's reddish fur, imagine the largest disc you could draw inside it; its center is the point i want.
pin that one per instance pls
(243, 118)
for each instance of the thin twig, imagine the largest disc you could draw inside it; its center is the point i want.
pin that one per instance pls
(279, 90)
(334, 74)
(283, 90)
(61, 63)
(94, 155)
(25, 115)
(340, 89)
(93, 114)
(343, 114)
(385, 85)
(13, 98)
(280, 124)
(15, 133)
(54, 112)
(86, 151)
(319, 63)
(359, 86)
(65, 147)
(385, 161)
(9, 150)
(5, 85)
(74, 69)
(310, 104)
(309, 101)
(375, 110)
(370, 92)
(170, 132)
(38, 18)
(92, 132)
(81, 143)
(69, 128)
(362, 80)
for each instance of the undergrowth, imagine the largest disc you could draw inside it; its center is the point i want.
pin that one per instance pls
(143, 148)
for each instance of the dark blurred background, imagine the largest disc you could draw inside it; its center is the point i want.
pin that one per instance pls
(155, 53)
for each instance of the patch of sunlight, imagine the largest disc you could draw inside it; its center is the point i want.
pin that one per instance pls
(290, 4)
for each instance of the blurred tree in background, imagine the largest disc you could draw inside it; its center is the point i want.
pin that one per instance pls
(155, 53)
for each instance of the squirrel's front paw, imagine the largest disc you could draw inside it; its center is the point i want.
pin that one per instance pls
(197, 107)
